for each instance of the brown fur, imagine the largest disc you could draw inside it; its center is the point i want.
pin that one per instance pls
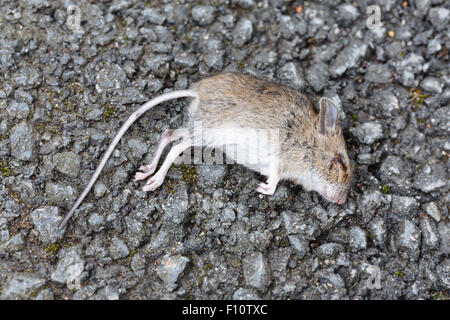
(238, 99)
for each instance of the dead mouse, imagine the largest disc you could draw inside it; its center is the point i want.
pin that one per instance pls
(309, 150)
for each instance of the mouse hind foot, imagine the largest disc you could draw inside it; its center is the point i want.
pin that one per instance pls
(157, 180)
(167, 137)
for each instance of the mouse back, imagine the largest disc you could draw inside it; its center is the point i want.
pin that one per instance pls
(245, 101)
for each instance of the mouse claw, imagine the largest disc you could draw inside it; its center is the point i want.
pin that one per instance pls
(266, 189)
(147, 168)
(150, 168)
(140, 176)
(153, 183)
(146, 171)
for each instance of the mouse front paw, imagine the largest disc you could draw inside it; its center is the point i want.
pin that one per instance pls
(266, 189)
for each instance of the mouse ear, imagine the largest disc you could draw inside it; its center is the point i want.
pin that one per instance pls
(327, 116)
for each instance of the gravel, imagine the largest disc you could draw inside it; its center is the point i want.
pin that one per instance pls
(242, 33)
(22, 142)
(46, 221)
(256, 271)
(205, 233)
(368, 132)
(170, 269)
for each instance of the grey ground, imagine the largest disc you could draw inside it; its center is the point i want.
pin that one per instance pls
(206, 233)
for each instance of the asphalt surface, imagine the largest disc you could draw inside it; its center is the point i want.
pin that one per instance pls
(67, 84)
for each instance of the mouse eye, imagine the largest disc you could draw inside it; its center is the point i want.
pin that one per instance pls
(338, 161)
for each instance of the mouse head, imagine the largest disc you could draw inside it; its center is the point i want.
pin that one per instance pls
(330, 157)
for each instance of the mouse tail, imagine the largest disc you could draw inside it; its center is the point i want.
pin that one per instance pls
(145, 107)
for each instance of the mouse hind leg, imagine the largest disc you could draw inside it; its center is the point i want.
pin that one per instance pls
(157, 180)
(167, 137)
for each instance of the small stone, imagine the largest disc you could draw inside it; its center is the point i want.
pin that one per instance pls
(245, 294)
(443, 271)
(298, 225)
(431, 84)
(385, 100)
(138, 265)
(357, 238)
(13, 245)
(317, 75)
(204, 15)
(246, 4)
(4, 235)
(394, 170)
(242, 33)
(135, 232)
(59, 193)
(348, 58)
(214, 60)
(70, 267)
(347, 13)
(404, 205)
(96, 221)
(228, 215)
(20, 110)
(329, 250)
(431, 178)
(368, 132)
(99, 189)
(278, 260)
(170, 269)
(434, 46)
(118, 249)
(138, 147)
(291, 75)
(378, 73)
(21, 286)
(22, 96)
(67, 163)
(176, 204)
(422, 5)
(110, 79)
(378, 232)
(22, 142)
(256, 270)
(110, 292)
(185, 60)
(430, 234)
(6, 60)
(153, 15)
(409, 238)
(27, 76)
(444, 234)
(439, 17)
(94, 114)
(210, 174)
(46, 221)
(287, 27)
(300, 244)
(46, 294)
(432, 210)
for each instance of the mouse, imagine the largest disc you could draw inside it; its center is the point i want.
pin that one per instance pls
(297, 143)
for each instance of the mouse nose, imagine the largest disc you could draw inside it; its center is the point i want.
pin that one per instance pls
(340, 199)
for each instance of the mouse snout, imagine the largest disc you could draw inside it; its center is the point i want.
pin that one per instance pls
(336, 196)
